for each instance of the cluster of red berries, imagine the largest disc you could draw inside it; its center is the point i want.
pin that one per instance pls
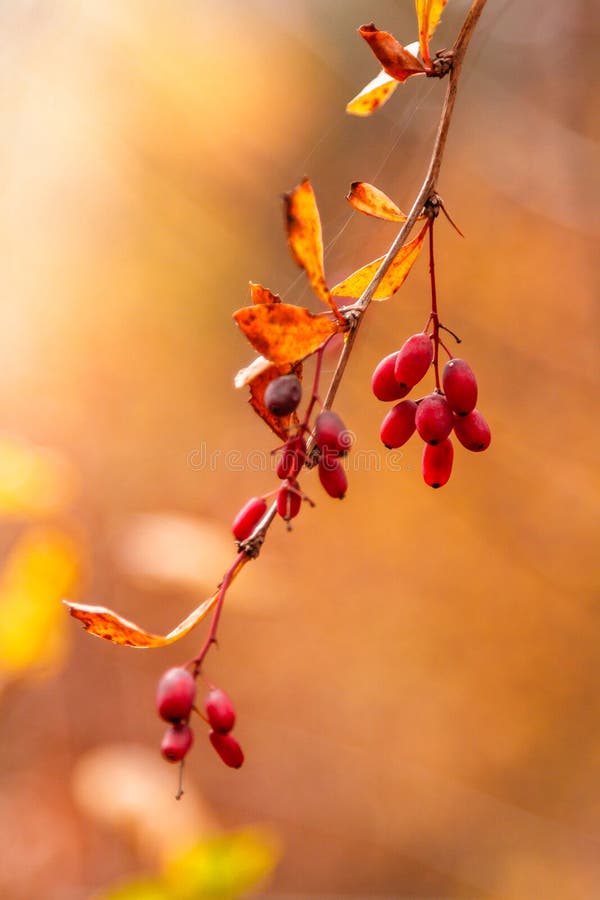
(333, 440)
(434, 416)
(175, 698)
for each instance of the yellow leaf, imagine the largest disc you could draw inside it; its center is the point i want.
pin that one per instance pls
(355, 285)
(305, 238)
(283, 333)
(373, 95)
(260, 294)
(429, 13)
(105, 623)
(368, 199)
(395, 59)
(40, 569)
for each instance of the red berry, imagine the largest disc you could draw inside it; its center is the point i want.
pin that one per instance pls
(399, 424)
(460, 386)
(473, 431)
(413, 360)
(292, 458)
(175, 694)
(384, 384)
(219, 710)
(437, 463)
(176, 742)
(434, 419)
(332, 476)
(331, 434)
(289, 500)
(228, 749)
(283, 394)
(248, 518)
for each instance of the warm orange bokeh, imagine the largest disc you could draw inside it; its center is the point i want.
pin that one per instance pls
(415, 672)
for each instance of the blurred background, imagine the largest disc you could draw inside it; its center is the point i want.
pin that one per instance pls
(416, 673)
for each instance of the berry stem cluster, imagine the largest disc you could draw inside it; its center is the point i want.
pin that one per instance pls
(322, 440)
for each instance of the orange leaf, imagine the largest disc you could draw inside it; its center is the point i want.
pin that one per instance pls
(305, 238)
(283, 333)
(373, 95)
(104, 623)
(355, 285)
(279, 424)
(368, 199)
(260, 294)
(395, 59)
(429, 13)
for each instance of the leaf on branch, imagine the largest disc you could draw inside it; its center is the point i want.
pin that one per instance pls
(305, 238)
(368, 199)
(256, 367)
(395, 59)
(105, 623)
(283, 333)
(429, 13)
(260, 294)
(355, 285)
(373, 95)
(279, 424)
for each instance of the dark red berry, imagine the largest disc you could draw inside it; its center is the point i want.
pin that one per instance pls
(434, 419)
(332, 476)
(473, 431)
(289, 500)
(248, 518)
(219, 711)
(176, 742)
(228, 749)
(413, 360)
(331, 434)
(399, 424)
(292, 458)
(175, 694)
(460, 386)
(283, 394)
(437, 463)
(384, 384)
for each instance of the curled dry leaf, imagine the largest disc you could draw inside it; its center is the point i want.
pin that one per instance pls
(279, 424)
(283, 333)
(429, 13)
(368, 199)
(395, 59)
(373, 95)
(355, 285)
(249, 373)
(260, 294)
(107, 624)
(305, 238)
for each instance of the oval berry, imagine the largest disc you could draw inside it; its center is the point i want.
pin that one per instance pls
(331, 434)
(399, 424)
(219, 711)
(384, 384)
(434, 419)
(283, 395)
(293, 456)
(460, 386)
(175, 694)
(228, 749)
(289, 500)
(176, 742)
(473, 431)
(332, 476)
(413, 360)
(437, 463)
(248, 518)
